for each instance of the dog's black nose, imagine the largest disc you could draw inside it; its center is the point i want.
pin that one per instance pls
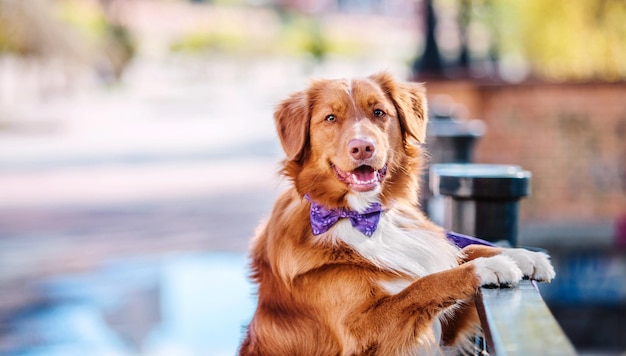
(361, 149)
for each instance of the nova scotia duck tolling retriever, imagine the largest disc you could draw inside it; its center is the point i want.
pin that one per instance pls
(346, 263)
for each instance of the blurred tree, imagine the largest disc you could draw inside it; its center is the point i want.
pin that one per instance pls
(75, 30)
(111, 44)
(561, 39)
(555, 40)
(28, 28)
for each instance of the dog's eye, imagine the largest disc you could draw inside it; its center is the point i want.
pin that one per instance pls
(330, 118)
(379, 113)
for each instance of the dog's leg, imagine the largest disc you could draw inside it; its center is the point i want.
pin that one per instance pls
(472, 252)
(464, 319)
(414, 309)
(462, 323)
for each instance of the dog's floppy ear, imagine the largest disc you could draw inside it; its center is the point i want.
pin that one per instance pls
(410, 102)
(292, 118)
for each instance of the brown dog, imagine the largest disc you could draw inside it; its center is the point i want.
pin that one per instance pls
(347, 264)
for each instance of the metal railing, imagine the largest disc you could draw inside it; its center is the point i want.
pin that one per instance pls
(482, 201)
(516, 321)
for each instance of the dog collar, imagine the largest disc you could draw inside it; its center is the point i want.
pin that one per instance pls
(323, 218)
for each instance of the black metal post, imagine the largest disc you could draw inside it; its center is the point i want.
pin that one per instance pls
(450, 140)
(481, 200)
(430, 64)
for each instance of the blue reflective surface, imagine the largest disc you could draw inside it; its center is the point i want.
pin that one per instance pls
(206, 302)
(190, 304)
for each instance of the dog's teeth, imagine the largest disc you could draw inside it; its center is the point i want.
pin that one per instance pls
(355, 179)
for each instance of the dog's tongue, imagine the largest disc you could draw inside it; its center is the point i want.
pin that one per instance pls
(363, 174)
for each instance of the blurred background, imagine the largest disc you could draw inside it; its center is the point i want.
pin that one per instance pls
(138, 154)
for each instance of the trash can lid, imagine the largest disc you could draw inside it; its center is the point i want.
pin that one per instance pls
(491, 181)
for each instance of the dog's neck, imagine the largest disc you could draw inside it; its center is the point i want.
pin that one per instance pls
(360, 202)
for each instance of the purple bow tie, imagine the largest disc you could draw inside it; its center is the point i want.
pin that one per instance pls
(323, 218)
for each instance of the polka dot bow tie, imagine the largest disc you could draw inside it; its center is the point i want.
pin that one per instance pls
(323, 218)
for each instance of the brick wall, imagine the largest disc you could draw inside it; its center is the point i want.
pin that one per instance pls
(572, 137)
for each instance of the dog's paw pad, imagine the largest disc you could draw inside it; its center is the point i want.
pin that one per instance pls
(534, 265)
(497, 271)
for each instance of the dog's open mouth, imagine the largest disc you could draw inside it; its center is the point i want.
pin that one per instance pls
(363, 178)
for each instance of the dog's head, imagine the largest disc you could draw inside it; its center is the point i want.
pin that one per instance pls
(352, 142)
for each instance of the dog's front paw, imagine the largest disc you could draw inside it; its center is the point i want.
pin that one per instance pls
(498, 270)
(534, 265)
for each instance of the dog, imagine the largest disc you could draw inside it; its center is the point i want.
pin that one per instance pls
(347, 264)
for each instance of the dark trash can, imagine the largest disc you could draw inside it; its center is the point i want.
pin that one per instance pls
(481, 200)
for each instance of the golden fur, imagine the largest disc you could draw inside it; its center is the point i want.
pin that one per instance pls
(403, 291)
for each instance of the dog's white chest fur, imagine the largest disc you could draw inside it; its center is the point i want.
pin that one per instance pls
(409, 251)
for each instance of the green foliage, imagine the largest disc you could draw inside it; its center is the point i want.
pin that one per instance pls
(296, 34)
(8, 40)
(564, 39)
(201, 41)
(83, 16)
(301, 34)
